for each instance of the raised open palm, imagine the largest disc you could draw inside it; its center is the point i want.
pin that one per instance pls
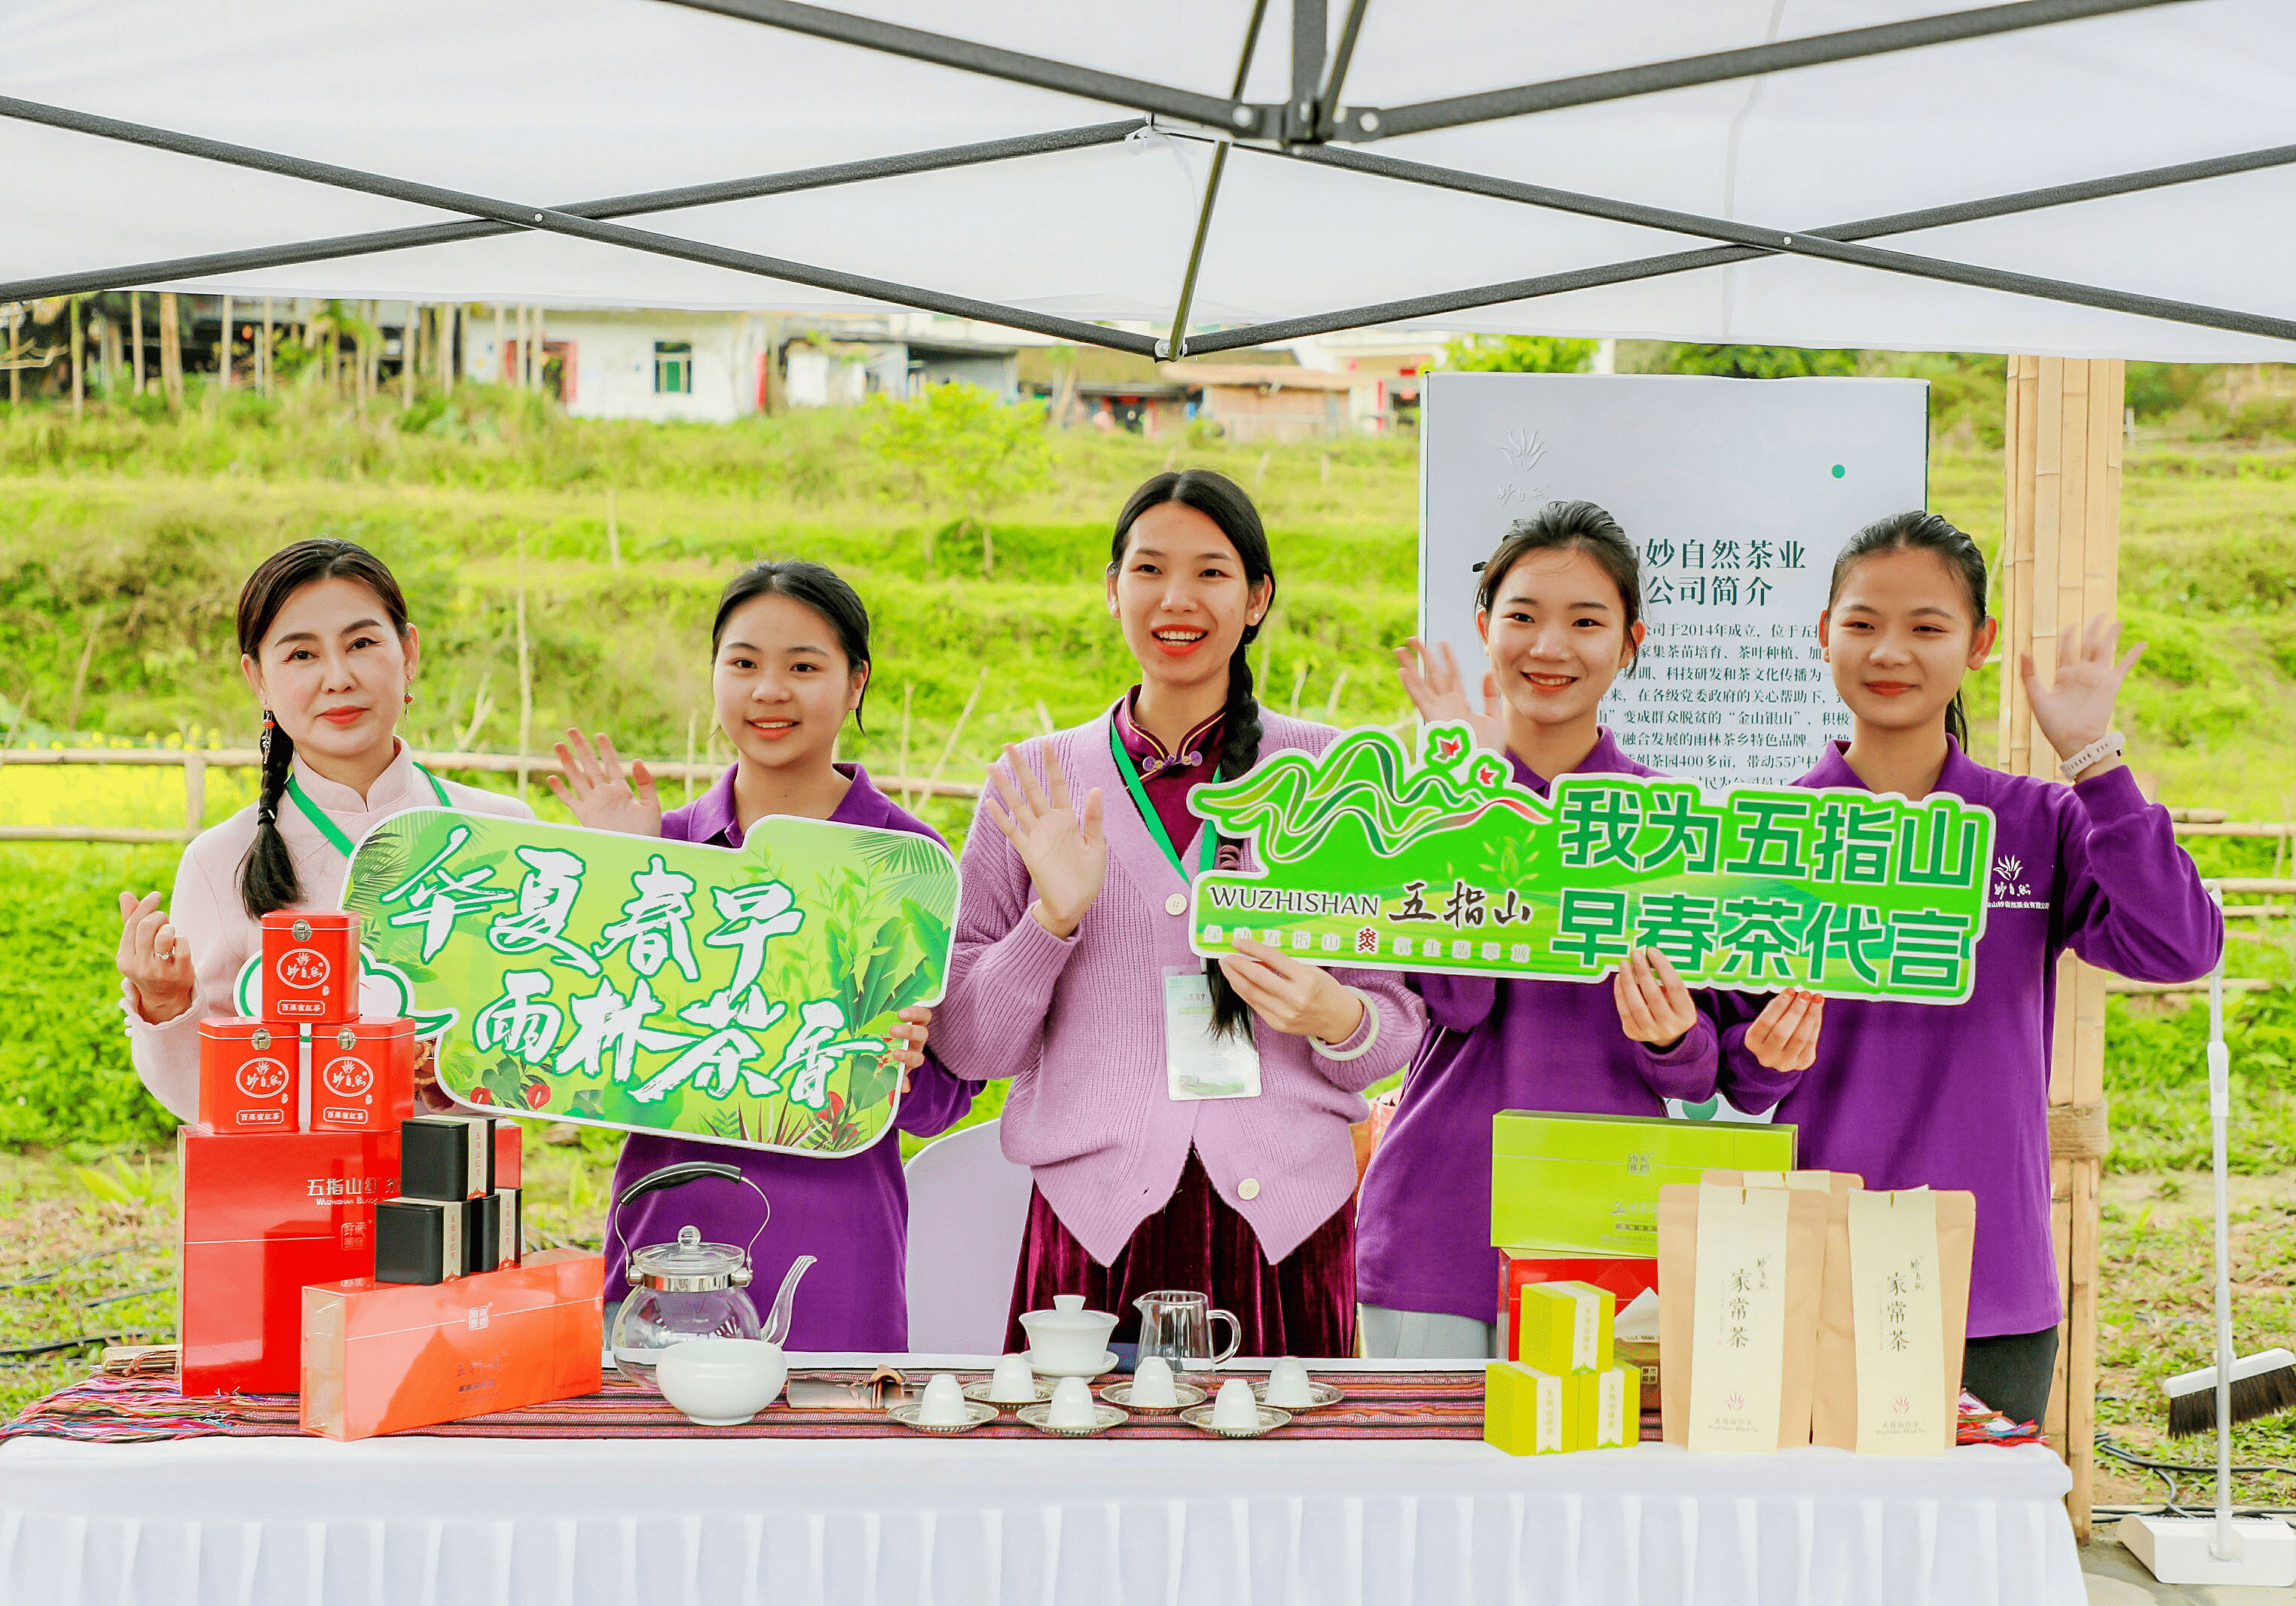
(1430, 678)
(1065, 851)
(2076, 708)
(596, 789)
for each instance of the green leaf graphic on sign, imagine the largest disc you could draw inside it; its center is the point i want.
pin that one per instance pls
(738, 996)
(1446, 864)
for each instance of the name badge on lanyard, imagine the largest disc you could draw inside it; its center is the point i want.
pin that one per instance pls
(1197, 1063)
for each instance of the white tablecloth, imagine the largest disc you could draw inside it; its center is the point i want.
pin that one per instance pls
(954, 1522)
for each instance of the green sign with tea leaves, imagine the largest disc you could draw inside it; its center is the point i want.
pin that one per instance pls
(1441, 861)
(742, 994)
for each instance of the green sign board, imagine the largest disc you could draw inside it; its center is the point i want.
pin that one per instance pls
(735, 994)
(1448, 863)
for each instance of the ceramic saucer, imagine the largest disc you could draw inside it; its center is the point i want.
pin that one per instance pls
(979, 1392)
(1104, 1417)
(1318, 1396)
(1201, 1416)
(1185, 1394)
(910, 1414)
(1107, 1363)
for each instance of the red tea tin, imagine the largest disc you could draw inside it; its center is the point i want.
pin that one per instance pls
(249, 1072)
(361, 1075)
(310, 967)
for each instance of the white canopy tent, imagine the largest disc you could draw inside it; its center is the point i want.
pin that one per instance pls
(1653, 178)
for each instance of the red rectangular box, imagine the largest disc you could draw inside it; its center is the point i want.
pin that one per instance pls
(383, 1358)
(261, 1216)
(361, 1075)
(510, 1155)
(310, 967)
(1626, 1276)
(248, 1075)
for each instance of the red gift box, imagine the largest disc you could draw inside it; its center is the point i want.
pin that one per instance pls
(383, 1358)
(262, 1215)
(1626, 1276)
(310, 967)
(361, 1075)
(250, 1071)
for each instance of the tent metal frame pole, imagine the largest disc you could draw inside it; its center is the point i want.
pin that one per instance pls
(617, 206)
(1373, 122)
(548, 220)
(1785, 243)
(1651, 268)
(1177, 344)
(1327, 103)
(944, 50)
(1311, 34)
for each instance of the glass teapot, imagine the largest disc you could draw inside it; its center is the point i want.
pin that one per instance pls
(690, 1288)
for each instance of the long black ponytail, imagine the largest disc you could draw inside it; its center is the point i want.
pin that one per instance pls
(266, 875)
(1919, 531)
(1225, 504)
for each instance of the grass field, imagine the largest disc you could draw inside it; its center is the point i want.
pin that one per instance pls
(122, 543)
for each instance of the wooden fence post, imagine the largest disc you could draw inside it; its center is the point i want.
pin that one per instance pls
(171, 351)
(195, 794)
(2060, 562)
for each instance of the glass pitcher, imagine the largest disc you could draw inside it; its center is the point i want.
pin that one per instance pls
(1176, 1324)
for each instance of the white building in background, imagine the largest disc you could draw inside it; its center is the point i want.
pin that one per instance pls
(697, 367)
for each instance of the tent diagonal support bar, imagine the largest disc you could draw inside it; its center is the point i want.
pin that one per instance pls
(1650, 267)
(546, 220)
(130, 274)
(1781, 242)
(943, 50)
(1366, 123)
(1178, 345)
(1327, 104)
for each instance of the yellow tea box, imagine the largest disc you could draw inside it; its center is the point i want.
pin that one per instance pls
(1613, 1407)
(1527, 1411)
(1566, 1326)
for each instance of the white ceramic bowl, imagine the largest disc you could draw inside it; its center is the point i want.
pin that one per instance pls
(722, 1382)
(1069, 1340)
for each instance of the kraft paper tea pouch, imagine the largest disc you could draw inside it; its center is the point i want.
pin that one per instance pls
(1817, 1182)
(1527, 1411)
(1895, 1311)
(1739, 1271)
(1566, 1326)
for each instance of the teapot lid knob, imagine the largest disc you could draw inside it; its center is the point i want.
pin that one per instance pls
(688, 1236)
(1067, 1301)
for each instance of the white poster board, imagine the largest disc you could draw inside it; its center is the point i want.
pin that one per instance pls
(1737, 493)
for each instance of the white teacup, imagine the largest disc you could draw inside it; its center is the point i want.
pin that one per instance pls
(1235, 1408)
(1072, 1404)
(1012, 1383)
(1287, 1385)
(1151, 1384)
(944, 1403)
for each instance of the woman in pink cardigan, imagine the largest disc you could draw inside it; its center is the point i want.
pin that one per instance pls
(331, 656)
(1218, 1161)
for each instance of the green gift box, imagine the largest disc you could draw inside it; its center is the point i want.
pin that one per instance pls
(1587, 1185)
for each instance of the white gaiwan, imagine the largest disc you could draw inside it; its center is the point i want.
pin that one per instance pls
(1012, 1383)
(1288, 1385)
(721, 1382)
(1233, 1410)
(1068, 1340)
(1152, 1385)
(944, 1403)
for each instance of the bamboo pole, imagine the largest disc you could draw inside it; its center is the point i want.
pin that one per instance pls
(78, 363)
(525, 676)
(263, 357)
(171, 351)
(409, 332)
(223, 347)
(2061, 556)
(501, 369)
(195, 793)
(135, 335)
(443, 340)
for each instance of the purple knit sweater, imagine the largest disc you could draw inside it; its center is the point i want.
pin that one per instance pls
(1078, 1024)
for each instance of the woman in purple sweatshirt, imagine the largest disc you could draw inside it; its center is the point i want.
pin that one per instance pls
(1218, 1161)
(1956, 1096)
(1560, 608)
(790, 651)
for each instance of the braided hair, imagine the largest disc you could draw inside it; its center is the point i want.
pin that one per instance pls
(1225, 504)
(266, 875)
(1920, 531)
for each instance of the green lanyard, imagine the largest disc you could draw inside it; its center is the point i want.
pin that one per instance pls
(1148, 815)
(328, 828)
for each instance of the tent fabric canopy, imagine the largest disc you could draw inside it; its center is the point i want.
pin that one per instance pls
(517, 110)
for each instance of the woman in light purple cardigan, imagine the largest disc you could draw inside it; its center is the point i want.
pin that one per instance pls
(1069, 929)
